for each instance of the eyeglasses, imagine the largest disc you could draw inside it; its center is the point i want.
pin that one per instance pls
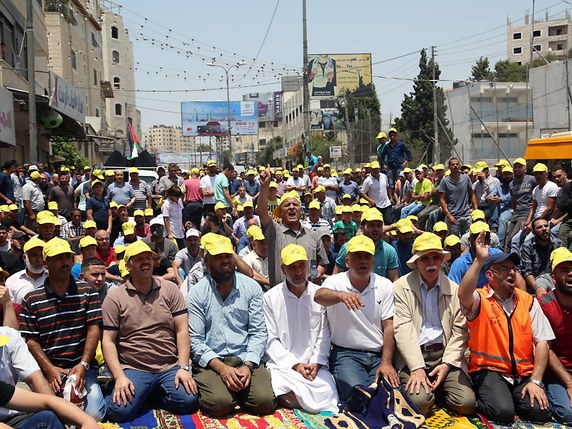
(504, 269)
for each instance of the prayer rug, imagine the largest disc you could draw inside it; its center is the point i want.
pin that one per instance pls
(313, 421)
(522, 424)
(154, 419)
(441, 418)
(281, 419)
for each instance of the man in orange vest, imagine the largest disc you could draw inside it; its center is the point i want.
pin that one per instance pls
(508, 340)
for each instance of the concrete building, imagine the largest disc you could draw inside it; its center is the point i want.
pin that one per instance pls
(549, 37)
(163, 138)
(552, 101)
(481, 112)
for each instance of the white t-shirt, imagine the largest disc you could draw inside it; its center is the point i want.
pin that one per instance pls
(376, 189)
(329, 181)
(360, 329)
(20, 283)
(174, 211)
(207, 182)
(541, 195)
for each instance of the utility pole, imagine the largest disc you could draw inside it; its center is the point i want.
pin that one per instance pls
(31, 83)
(436, 148)
(305, 81)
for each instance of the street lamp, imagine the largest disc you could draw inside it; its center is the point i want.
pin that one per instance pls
(226, 70)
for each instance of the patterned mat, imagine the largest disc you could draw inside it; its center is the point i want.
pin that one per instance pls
(282, 418)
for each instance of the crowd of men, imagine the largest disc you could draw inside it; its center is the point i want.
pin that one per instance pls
(213, 290)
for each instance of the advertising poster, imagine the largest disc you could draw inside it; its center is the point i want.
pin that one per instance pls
(210, 118)
(330, 75)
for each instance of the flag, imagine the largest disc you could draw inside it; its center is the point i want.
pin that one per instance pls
(133, 142)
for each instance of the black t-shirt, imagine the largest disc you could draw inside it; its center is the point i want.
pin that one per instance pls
(161, 270)
(6, 392)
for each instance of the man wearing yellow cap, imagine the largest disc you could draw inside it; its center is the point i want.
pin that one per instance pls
(500, 203)
(193, 199)
(297, 182)
(484, 186)
(146, 342)
(170, 179)
(508, 340)
(377, 192)
(207, 188)
(314, 219)
(328, 204)
(329, 182)
(289, 231)
(32, 198)
(479, 216)
(298, 343)
(228, 336)
(557, 307)
(428, 217)
(252, 185)
(348, 186)
(121, 192)
(45, 224)
(394, 156)
(430, 331)
(33, 276)
(521, 193)
(360, 314)
(239, 227)
(61, 322)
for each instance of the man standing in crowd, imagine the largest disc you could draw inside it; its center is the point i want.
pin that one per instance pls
(207, 188)
(376, 191)
(170, 180)
(141, 190)
(120, 192)
(394, 155)
(228, 336)
(63, 195)
(221, 185)
(33, 199)
(360, 314)
(430, 331)
(146, 342)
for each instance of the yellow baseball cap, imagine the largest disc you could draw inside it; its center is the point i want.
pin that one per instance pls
(87, 241)
(291, 194)
(138, 212)
(356, 208)
(89, 224)
(195, 170)
(293, 253)
(273, 185)
(133, 170)
(346, 196)
(219, 206)
(327, 166)
(239, 208)
(560, 255)
(45, 217)
(358, 170)
(53, 205)
(56, 246)
(12, 207)
(477, 215)
(374, 165)
(87, 168)
(128, 228)
(439, 167)
(481, 165)
(217, 244)
(35, 175)
(361, 243)
(520, 161)
(338, 210)
(252, 231)
(135, 249)
(4, 208)
(251, 173)
(120, 249)
(501, 163)
(412, 218)
(33, 243)
(257, 234)
(540, 167)
(319, 188)
(113, 205)
(123, 268)
(372, 215)
(368, 165)
(407, 170)
(404, 226)
(211, 163)
(96, 182)
(347, 171)
(347, 209)
(392, 130)
(424, 244)
(314, 205)
(109, 173)
(381, 135)
(440, 226)
(478, 227)
(452, 240)
(148, 212)
(98, 174)
(248, 204)
(507, 169)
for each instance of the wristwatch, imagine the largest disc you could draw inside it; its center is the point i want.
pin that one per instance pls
(185, 367)
(85, 365)
(538, 383)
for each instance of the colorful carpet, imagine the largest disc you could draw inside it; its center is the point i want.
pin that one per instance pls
(155, 419)
(282, 418)
(442, 418)
(521, 424)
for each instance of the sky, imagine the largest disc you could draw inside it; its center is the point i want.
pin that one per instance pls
(175, 39)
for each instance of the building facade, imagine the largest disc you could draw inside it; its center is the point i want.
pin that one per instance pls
(163, 138)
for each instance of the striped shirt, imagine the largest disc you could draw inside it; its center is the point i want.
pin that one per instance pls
(142, 194)
(60, 324)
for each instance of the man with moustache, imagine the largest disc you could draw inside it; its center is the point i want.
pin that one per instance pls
(430, 331)
(228, 336)
(146, 342)
(508, 339)
(61, 323)
(33, 276)
(298, 343)
(359, 310)
(557, 306)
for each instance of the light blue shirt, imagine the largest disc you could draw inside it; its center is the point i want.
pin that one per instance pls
(120, 194)
(233, 327)
(462, 264)
(384, 259)
(220, 183)
(431, 329)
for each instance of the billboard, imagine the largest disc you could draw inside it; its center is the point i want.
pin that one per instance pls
(7, 125)
(210, 118)
(329, 75)
(269, 105)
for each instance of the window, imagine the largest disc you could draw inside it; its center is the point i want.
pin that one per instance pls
(481, 135)
(114, 32)
(115, 57)
(94, 42)
(559, 46)
(517, 50)
(118, 109)
(537, 33)
(73, 60)
(262, 125)
(116, 83)
(516, 36)
(95, 77)
(537, 48)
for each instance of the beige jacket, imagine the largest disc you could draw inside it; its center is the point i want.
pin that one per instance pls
(408, 317)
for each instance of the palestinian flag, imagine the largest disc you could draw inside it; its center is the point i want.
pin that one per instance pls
(133, 142)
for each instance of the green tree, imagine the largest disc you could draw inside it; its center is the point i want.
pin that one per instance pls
(68, 150)
(265, 155)
(203, 148)
(481, 70)
(416, 120)
(507, 71)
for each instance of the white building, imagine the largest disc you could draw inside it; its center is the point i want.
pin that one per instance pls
(163, 138)
(481, 113)
(549, 36)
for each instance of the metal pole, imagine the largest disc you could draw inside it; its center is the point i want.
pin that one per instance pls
(305, 81)
(436, 148)
(31, 83)
(228, 111)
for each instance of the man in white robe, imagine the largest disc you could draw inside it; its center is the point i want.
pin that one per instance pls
(298, 344)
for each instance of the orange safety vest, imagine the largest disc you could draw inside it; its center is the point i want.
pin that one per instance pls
(499, 342)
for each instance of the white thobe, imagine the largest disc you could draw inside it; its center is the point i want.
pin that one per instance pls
(298, 331)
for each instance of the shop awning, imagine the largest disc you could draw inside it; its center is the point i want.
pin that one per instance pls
(70, 128)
